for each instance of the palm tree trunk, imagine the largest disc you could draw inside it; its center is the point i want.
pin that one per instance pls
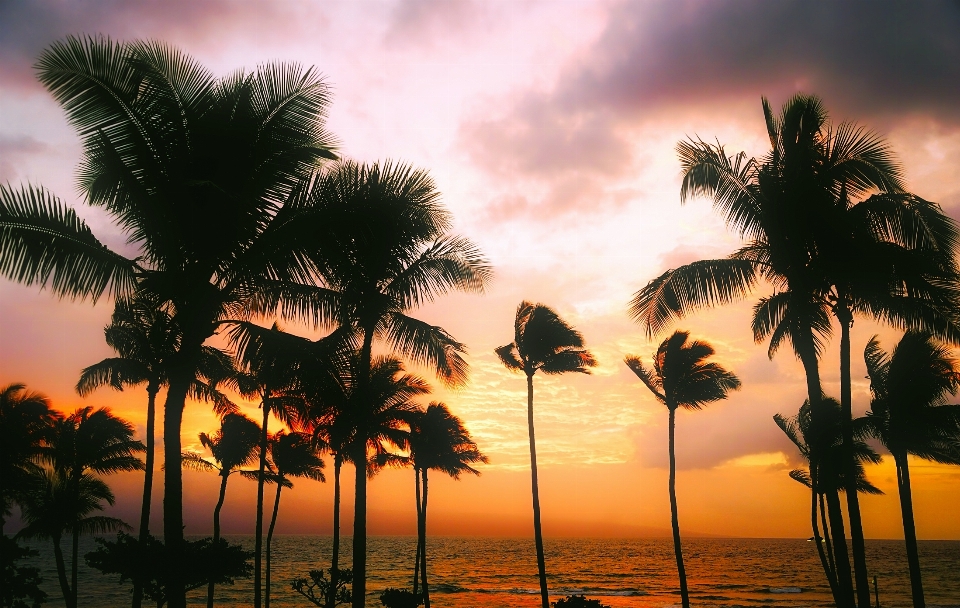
(832, 574)
(840, 554)
(335, 561)
(258, 543)
(273, 524)
(416, 562)
(845, 317)
(144, 537)
(173, 488)
(216, 529)
(423, 544)
(360, 479)
(826, 560)
(807, 352)
(909, 529)
(537, 534)
(674, 518)
(68, 598)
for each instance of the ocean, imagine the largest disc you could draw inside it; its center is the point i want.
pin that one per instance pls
(502, 572)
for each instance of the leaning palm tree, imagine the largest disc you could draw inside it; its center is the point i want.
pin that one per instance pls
(783, 205)
(203, 174)
(387, 251)
(438, 441)
(832, 472)
(682, 377)
(908, 414)
(234, 445)
(143, 334)
(292, 455)
(25, 418)
(88, 442)
(542, 342)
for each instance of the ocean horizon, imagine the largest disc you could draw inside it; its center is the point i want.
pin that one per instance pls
(501, 572)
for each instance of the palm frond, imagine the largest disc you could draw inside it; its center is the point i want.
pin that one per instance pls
(44, 242)
(428, 345)
(680, 291)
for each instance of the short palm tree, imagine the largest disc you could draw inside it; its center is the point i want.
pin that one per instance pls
(682, 377)
(86, 443)
(438, 441)
(832, 472)
(25, 419)
(542, 342)
(909, 415)
(202, 174)
(387, 250)
(143, 334)
(234, 445)
(292, 455)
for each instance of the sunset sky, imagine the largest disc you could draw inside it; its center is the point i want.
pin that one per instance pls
(549, 127)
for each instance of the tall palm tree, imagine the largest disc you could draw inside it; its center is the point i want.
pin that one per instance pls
(832, 472)
(292, 455)
(88, 442)
(438, 441)
(682, 377)
(145, 338)
(784, 205)
(542, 342)
(234, 445)
(387, 250)
(908, 414)
(203, 174)
(25, 419)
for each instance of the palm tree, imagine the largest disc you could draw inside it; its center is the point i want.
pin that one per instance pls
(25, 419)
(292, 455)
(234, 445)
(681, 377)
(832, 472)
(146, 339)
(784, 205)
(387, 251)
(439, 441)
(545, 342)
(203, 174)
(908, 414)
(85, 443)
(56, 504)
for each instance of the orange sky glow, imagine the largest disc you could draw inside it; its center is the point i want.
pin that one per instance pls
(549, 128)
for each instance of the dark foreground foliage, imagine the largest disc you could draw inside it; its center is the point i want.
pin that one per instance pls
(19, 585)
(318, 591)
(578, 601)
(202, 562)
(400, 598)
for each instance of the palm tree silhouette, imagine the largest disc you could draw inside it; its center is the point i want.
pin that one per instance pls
(542, 342)
(143, 334)
(908, 414)
(785, 206)
(387, 251)
(681, 377)
(292, 455)
(832, 472)
(439, 441)
(171, 152)
(234, 445)
(25, 418)
(88, 442)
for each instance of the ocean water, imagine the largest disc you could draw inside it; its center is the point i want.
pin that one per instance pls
(502, 573)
